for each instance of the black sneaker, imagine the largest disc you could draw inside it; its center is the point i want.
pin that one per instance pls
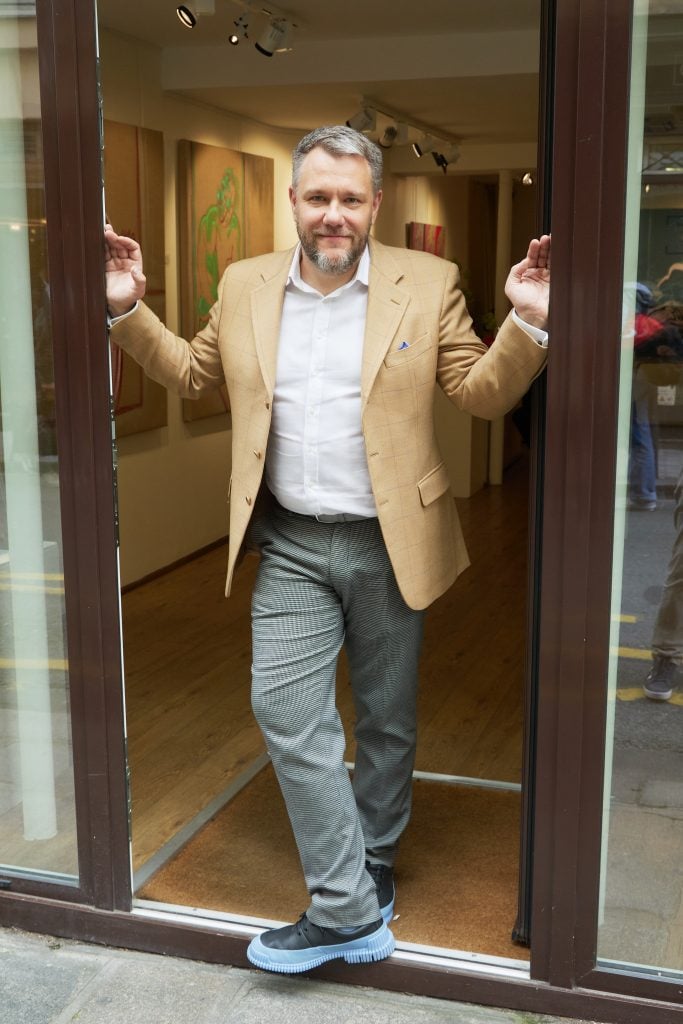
(304, 945)
(383, 877)
(659, 684)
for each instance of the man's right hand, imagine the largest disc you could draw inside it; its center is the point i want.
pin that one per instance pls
(123, 271)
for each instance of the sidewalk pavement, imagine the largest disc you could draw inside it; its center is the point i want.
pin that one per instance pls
(56, 981)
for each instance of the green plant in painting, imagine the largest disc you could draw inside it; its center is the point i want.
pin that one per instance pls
(220, 223)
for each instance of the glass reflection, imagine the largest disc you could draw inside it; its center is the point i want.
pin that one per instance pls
(37, 818)
(641, 922)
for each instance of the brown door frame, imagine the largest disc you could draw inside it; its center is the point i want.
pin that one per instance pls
(588, 223)
(73, 200)
(592, 94)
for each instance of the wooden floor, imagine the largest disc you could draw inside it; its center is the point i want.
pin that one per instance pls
(187, 656)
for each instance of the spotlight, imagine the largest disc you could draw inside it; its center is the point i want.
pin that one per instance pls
(427, 144)
(274, 37)
(450, 155)
(233, 39)
(186, 15)
(528, 178)
(388, 137)
(364, 121)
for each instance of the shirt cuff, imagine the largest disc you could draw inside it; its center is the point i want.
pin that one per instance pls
(539, 336)
(111, 320)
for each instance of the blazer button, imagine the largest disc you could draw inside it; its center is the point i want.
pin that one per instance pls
(248, 500)
(267, 405)
(257, 454)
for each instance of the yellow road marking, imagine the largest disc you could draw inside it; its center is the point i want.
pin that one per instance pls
(56, 663)
(28, 588)
(639, 653)
(636, 693)
(4, 574)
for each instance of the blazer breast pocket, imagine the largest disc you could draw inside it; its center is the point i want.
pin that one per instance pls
(403, 351)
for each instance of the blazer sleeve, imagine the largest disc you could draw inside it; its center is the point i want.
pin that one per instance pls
(187, 368)
(483, 382)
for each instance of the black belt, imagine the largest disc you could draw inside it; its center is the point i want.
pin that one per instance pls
(324, 517)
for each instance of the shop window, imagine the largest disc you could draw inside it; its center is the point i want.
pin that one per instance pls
(641, 922)
(37, 814)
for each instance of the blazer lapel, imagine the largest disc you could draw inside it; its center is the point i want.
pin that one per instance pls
(386, 305)
(266, 313)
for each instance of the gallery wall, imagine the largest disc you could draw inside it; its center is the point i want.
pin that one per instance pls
(173, 481)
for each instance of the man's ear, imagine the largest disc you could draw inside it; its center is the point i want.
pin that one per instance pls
(292, 197)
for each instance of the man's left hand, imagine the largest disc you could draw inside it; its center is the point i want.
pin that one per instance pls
(528, 284)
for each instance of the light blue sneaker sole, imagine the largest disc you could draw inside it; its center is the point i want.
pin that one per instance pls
(377, 946)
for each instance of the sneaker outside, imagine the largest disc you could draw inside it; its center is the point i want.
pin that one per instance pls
(659, 684)
(383, 877)
(305, 945)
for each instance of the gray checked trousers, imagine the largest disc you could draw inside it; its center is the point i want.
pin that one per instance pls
(321, 585)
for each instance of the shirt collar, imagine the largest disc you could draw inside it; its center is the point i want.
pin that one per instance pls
(362, 275)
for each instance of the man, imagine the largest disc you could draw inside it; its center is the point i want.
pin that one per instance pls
(330, 353)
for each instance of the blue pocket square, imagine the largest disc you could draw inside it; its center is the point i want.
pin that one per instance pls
(404, 344)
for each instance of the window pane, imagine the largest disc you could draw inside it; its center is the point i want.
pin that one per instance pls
(37, 818)
(641, 922)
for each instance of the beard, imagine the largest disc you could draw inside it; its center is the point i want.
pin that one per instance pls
(338, 264)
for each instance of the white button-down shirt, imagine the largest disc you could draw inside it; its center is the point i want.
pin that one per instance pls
(316, 461)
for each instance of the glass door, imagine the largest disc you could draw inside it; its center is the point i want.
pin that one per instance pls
(641, 892)
(37, 801)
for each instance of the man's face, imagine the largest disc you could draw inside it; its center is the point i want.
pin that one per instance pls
(334, 209)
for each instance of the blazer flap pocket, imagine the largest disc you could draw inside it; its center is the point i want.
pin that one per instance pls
(434, 484)
(404, 349)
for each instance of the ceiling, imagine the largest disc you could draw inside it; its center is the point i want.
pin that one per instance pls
(156, 21)
(466, 69)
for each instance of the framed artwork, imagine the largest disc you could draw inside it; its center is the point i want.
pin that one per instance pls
(425, 237)
(226, 213)
(133, 176)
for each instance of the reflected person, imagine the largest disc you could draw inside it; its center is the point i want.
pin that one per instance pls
(331, 352)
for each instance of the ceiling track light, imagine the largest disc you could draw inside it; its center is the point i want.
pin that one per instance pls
(275, 37)
(364, 121)
(188, 14)
(388, 137)
(427, 144)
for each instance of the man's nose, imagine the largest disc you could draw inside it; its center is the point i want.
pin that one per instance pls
(334, 214)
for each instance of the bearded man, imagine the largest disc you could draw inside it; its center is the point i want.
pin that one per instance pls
(331, 353)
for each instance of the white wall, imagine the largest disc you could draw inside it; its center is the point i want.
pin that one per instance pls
(173, 481)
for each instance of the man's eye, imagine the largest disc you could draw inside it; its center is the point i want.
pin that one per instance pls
(353, 200)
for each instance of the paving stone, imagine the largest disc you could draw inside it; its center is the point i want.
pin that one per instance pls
(49, 981)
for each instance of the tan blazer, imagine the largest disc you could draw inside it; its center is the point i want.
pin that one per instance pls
(414, 298)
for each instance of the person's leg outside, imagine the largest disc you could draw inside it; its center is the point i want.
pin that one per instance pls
(667, 637)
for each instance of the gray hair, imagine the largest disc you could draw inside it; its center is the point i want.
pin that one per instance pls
(339, 140)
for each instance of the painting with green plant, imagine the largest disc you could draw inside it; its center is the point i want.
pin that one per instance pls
(226, 214)
(220, 228)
